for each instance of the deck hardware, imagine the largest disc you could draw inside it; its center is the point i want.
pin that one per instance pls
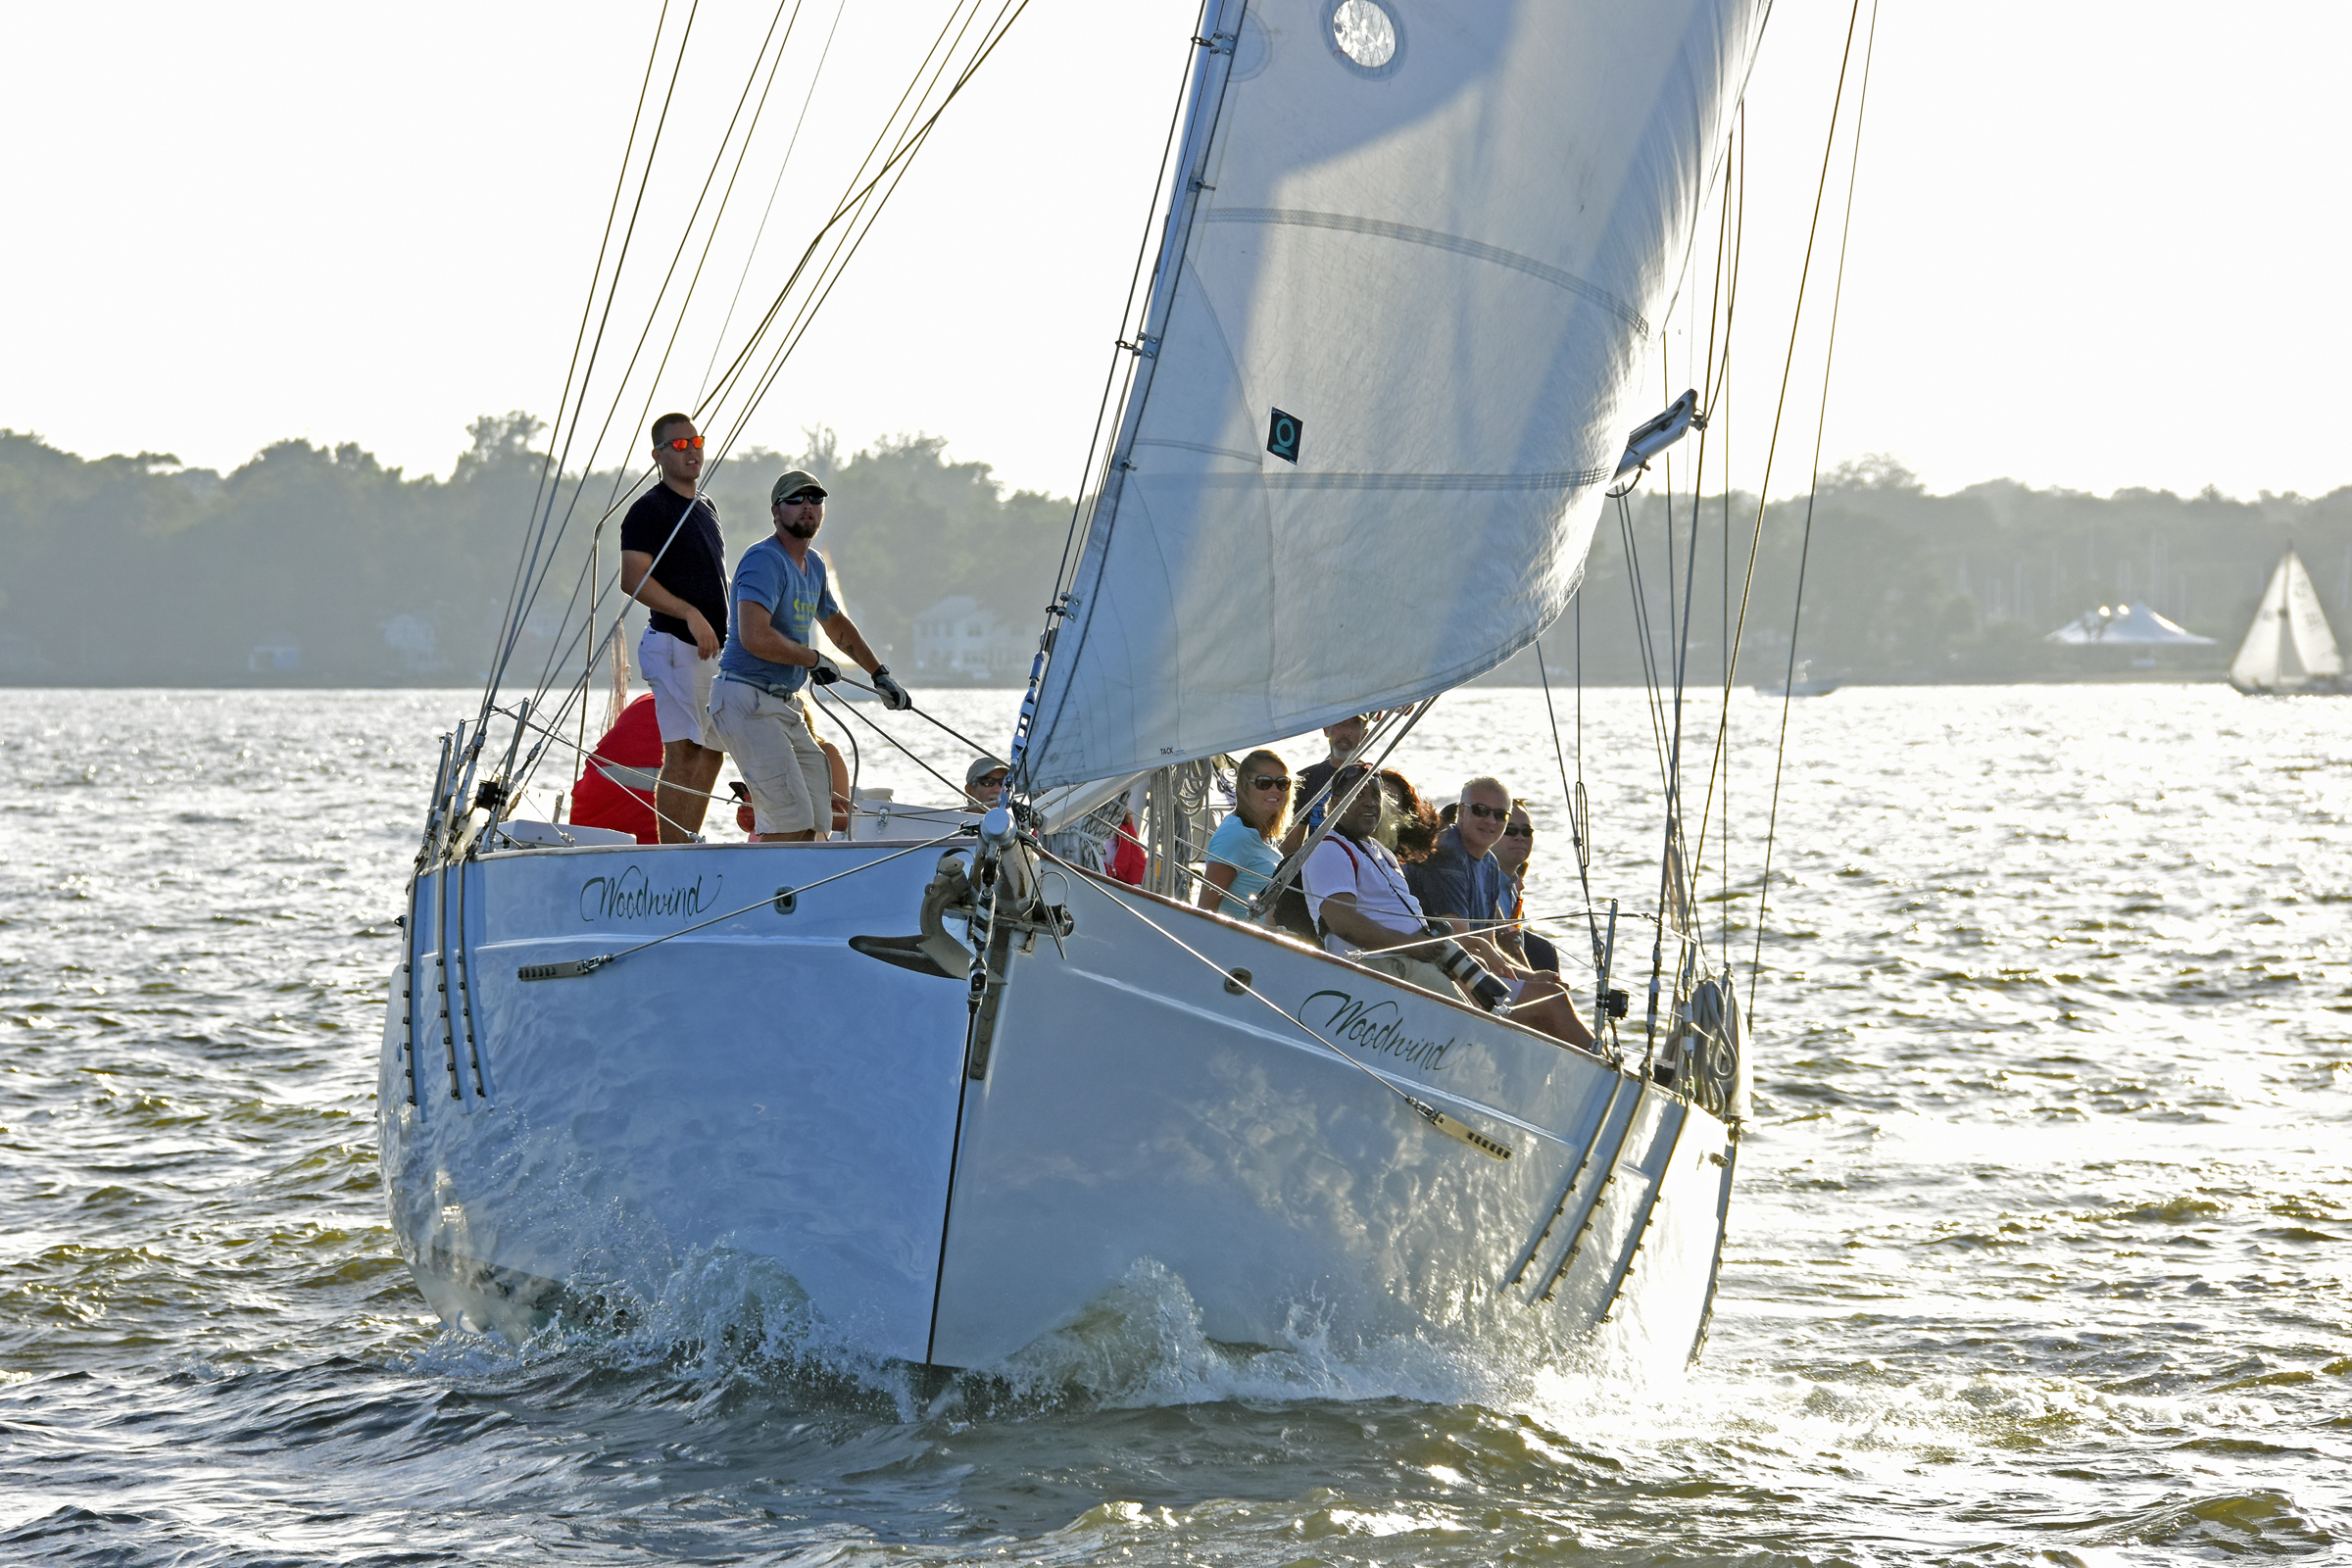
(569, 969)
(785, 901)
(1561, 1207)
(1237, 982)
(1454, 1128)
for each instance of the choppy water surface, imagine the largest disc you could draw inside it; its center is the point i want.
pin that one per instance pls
(2039, 1254)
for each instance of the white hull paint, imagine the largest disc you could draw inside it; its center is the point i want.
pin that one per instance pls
(759, 1086)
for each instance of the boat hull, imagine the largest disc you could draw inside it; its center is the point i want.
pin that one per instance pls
(944, 1193)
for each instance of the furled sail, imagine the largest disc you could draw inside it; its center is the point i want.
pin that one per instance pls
(2314, 644)
(2256, 667)
(1416, 254)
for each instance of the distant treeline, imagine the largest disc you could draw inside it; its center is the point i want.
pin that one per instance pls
(1900, 585)
(325, 566)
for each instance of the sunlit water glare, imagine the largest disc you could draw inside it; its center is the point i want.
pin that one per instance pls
(2039, 1252)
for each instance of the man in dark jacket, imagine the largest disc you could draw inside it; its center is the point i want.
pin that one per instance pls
(1462, 880)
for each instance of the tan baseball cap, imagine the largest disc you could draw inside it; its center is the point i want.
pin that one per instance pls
(797, 480)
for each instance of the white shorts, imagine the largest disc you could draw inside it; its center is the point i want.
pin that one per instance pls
(782, 762)
(681, 686)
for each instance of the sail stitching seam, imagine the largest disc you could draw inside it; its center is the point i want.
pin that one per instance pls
(1477, 249)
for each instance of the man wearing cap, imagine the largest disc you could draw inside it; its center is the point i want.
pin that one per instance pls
(984, 781)
(781, 593)
(674, 562)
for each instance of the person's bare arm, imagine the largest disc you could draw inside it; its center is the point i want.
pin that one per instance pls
(639, 583)
(1217, 878)
(850, 641)
(761, 640)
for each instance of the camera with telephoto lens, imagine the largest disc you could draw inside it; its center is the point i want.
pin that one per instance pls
(1465, 970)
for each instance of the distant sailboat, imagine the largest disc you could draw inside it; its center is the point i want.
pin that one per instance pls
(2290, 651)
(1802, 682)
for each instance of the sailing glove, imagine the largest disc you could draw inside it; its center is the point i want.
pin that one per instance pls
(894, 695)
(824, 672)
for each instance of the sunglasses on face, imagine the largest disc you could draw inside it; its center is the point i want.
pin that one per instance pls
(990, 781)
(1269, 782)
(1491, 814)
(683, 443)
(1522, 831)
(802, 498)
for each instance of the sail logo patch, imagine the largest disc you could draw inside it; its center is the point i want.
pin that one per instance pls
(1282, 436)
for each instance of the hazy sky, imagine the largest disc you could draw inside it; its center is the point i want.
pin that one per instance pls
(2095, 245)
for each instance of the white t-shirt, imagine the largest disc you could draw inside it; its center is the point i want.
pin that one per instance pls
(1370, 873)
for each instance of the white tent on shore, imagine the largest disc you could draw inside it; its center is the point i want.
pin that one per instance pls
(2132, 625)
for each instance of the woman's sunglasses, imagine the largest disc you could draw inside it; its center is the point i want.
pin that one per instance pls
(1521, 832)
(1269, 782)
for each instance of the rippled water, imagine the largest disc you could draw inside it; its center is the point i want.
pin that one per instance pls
(2039, 1254)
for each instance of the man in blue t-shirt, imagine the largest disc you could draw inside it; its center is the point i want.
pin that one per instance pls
(781, 593)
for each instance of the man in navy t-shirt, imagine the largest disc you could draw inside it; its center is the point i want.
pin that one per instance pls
(673, 561)
(783, 593)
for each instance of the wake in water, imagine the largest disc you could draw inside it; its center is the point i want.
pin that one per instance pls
(728, 1318)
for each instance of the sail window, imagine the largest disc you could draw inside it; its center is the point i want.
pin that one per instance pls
(1365, 35)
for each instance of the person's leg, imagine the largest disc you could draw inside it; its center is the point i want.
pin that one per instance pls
(815, 774)
(684, 794)
(1543, 1003)
(753, 725)
(688, 771)
(839, 772)
(669, 667)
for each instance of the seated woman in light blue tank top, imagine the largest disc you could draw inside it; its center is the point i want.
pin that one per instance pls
(1242, 856)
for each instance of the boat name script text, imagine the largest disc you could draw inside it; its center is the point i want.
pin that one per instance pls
(628, 896)
(1374, 1026)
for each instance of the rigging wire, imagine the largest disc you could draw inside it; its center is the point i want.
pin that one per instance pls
(1806, 547)
(892, 168)
(766, 213)
(1780, 404)
(587, 310)
(653, 311)
(518, 610)
(836, 268)
(1135, 284)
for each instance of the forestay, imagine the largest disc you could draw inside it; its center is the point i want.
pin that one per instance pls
(1416, 256)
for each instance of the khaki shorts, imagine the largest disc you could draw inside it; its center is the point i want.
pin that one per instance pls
(681, 686)
(781, 764)
(1414, 971)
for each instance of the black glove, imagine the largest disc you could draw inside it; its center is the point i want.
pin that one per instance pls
(824, 672)
(894, 695)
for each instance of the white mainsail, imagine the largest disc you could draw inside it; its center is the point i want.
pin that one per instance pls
(2289, 618)
(2314, 645)
(2257, 661)
(1415, 258)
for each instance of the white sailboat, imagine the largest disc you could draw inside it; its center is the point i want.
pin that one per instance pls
(2289, 650)
(1413, 264)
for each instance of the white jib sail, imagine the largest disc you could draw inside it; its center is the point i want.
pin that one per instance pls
(1417, 254)
(2257, 660)
(2314, 644)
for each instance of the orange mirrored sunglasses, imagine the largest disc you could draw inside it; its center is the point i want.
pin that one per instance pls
(683, 443)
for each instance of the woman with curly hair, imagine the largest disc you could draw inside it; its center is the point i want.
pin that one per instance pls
(1408, 824)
